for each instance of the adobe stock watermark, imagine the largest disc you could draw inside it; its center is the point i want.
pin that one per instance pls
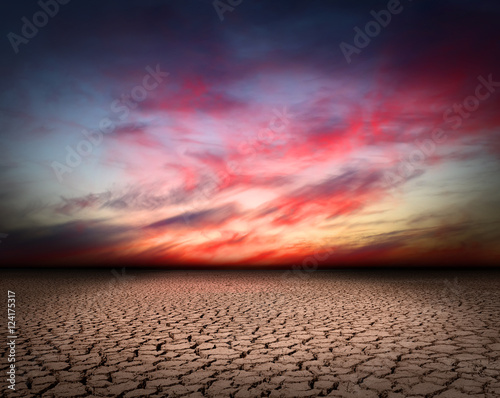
(451, 288)
(274, 131)
(119, 283)
(448, 300)
(121, 107)
(222, 7)
(30, 28)
(372, 29)
(309, 264)
(454, 116)
(34, 207)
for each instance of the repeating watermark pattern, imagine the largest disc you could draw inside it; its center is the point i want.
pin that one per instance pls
(30, 28)
(3, 236)
(453, 117)
(274, 132)
(453, 288)
(121, 108)
(363, 38)
(33, 207)
(450, 297)
(117, 284)
(120, 279)
(11, 339)
(309, 264)
(353, 388)
(222, 7)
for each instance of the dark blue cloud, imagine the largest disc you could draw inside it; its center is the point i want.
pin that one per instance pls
(210, 217)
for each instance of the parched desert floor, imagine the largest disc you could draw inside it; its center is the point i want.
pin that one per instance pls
(254, 334)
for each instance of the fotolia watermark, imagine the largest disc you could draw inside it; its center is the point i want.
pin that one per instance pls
(29, 30)
(222, 7)
(454, 116)
(122, 108)
(372, 29)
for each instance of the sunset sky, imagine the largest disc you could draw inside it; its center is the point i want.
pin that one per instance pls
(155, 133)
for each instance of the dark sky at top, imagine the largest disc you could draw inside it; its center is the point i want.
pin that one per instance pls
(257, 132)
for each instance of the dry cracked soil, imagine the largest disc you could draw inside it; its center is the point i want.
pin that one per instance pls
(254, 334)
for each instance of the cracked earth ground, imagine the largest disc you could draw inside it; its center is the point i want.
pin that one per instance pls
(242, 334)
